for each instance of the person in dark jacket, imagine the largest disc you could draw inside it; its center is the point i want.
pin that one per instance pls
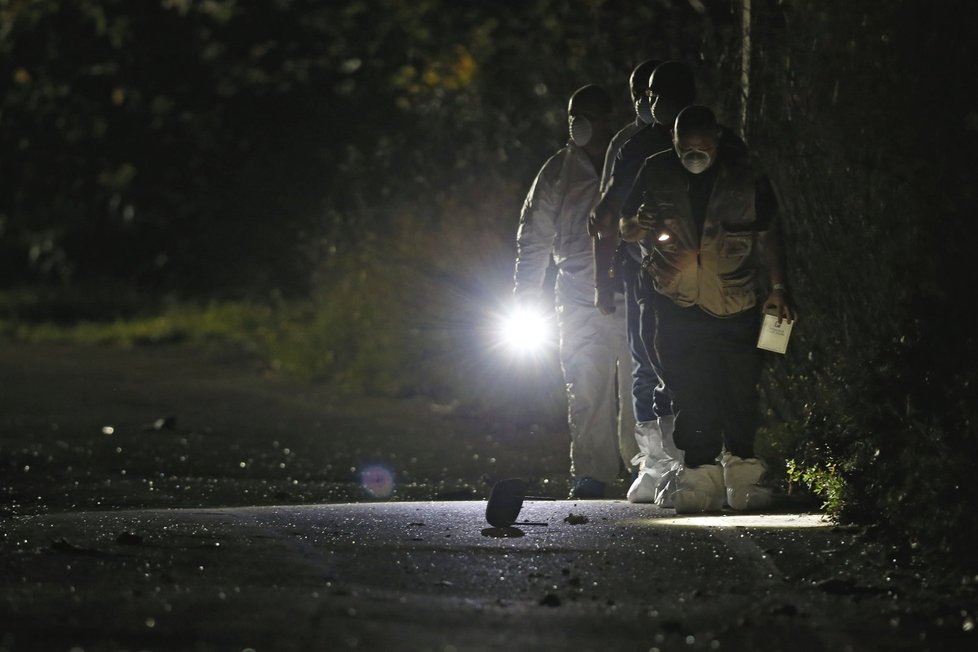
(611, 286)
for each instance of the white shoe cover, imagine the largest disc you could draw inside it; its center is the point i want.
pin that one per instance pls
(642, 489)
(658, 461)
(741, 477)
(699, 489)
(655, 483)
(654, 439)
(647, 433)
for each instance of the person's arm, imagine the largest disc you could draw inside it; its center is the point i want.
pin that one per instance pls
(603, 250)
(630, 225)
(779, 302)
(601, 221)
(603, 228)
(536, 233)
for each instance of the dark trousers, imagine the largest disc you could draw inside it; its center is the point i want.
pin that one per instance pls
(712, 367)
(649, 396)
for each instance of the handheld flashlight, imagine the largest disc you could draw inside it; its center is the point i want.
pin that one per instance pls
(524, 330)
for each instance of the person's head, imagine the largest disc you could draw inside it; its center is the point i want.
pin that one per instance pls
(638, 83)
(589, 115)
(696, 136)
(671, 88)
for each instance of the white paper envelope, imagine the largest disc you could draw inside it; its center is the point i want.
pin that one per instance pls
(774, 337)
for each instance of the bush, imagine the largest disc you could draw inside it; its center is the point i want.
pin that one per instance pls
(878, 391)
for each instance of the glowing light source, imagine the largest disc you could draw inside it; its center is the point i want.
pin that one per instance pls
(664, 237)
(525, 330)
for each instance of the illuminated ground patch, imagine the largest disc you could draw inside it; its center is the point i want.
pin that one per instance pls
(780, 521)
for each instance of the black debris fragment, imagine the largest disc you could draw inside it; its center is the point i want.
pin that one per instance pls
(550, 600)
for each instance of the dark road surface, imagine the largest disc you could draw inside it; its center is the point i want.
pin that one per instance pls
(222, 534)
(602, 575)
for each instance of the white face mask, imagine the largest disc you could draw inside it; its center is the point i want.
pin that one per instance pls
(695, 160)
(580, 130)
(644, 110)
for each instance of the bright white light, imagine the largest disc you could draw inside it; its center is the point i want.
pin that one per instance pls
(525, 330)
(754, 520)
(664, 237)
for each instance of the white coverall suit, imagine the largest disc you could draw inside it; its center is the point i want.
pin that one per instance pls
(593, 347)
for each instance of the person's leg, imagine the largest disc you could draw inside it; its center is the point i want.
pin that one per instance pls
(742, 471)
(646, 297)
(636, 379)
(588, 363)
(644, 379)
(685, 344)
(627, 447)
(659, 458)
(659, 419)
(739, 375)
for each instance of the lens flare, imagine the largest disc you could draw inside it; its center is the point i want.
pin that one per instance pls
(377, 481)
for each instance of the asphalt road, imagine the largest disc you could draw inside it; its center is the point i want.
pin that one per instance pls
(596, 575)
(237, 528)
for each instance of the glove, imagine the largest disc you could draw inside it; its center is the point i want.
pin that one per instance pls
(647, 219)
(604, 300)
(600, 223)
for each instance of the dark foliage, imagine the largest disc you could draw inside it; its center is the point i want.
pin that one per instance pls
(860, 112)
(213, 148)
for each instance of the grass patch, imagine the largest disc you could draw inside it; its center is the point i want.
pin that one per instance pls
(233, 323)
(312, 340)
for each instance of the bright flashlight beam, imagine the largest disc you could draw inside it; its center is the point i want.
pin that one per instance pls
(524, 330)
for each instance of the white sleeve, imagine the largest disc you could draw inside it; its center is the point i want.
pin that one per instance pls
(538, 228)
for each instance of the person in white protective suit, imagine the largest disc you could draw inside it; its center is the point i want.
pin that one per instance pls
(554, 226)
(714, 223)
